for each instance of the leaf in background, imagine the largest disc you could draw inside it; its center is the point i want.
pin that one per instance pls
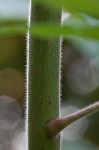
(13, 29)
(80, 20)
(87, 47)
(86, 6)
(52, 31)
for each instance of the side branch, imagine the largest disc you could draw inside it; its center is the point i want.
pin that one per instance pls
(56, 126)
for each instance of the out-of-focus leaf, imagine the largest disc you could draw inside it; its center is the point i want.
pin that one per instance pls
(87, 47)
(12, 21)
(75, 21)
(80, 20)
(49, 31)
(52, 31)
(12, 29)
(86, 6)
(76, 25)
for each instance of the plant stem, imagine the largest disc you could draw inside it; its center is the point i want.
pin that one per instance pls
(56, 126)
(43, 63)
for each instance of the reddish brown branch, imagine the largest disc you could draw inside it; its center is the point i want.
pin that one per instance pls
(56, 126)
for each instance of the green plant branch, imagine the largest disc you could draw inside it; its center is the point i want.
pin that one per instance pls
(42, 80)
(56, 126)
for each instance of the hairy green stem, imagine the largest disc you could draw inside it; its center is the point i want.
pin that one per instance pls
(56, 126)
(43, 81)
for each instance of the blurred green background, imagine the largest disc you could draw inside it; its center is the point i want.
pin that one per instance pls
(80, 70)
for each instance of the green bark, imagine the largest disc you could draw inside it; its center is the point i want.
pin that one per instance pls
(43, 81)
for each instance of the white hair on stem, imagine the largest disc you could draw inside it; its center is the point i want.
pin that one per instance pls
(27, 75)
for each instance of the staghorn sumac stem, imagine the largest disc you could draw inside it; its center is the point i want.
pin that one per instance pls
(43, 63)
